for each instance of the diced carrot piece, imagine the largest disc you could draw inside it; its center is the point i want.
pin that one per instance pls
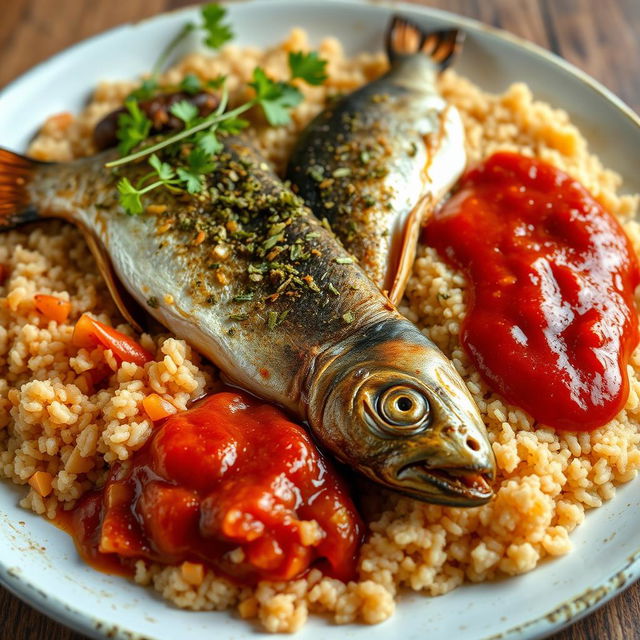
(116, 494)
(192, 573)
(77, 464)
(90, 333)
(120, 534)
(157, 407)
(53, 308)
(170, 516)
(41, 481)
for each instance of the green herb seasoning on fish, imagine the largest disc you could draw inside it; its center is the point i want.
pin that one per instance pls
(253, 276)
(375, 162)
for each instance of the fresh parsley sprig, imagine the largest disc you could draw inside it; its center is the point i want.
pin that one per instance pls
(198, 140)
(216, 34)
(199, 162)
(133, 127)
(308, 67)
(130, 195)
(275, 98)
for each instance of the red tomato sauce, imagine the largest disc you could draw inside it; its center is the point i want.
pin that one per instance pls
(230, 483)
(551, 321)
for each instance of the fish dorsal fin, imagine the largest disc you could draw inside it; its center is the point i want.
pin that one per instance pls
(406, 38)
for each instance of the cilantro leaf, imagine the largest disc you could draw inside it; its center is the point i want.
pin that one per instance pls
(146, 90)
(163, 169)
(233, 125)
(200, 161)
(216, 83)
(208, 142)
(217, 33)
(307, 66)
(185, 111)
(275, 98)
(129, 197)
(192, 181)
(133, 127)
(190, 84)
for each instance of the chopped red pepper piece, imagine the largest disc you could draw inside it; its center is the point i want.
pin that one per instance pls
(52, 307)
(90, 333)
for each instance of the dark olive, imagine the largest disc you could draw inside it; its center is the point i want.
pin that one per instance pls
(157, 110)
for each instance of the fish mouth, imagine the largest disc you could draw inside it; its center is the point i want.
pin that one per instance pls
(455, 487)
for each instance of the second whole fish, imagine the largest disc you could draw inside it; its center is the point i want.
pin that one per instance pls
(376, 162)
(250, 278)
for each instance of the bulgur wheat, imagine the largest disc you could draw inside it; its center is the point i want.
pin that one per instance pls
(53, 422)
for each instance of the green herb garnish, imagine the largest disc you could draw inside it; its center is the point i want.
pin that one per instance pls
(275, 98)
(217, 33)
(243, 297)
(185, 111)
(272, 319)
(193, 157)
(133, 127)
(146, 90)
(130, 195)
(190, 84)
(307, 66)
(275, 319)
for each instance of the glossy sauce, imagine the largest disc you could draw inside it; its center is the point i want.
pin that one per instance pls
(551, 321)
(232, 484)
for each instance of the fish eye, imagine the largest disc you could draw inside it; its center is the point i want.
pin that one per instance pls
(404, 410)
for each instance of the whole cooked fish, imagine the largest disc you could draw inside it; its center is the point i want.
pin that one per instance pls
(254, 281)
(375, 162)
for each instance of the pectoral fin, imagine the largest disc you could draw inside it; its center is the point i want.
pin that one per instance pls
(127, 306)
(405, 252)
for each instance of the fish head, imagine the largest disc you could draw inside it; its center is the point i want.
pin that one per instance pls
(392, 406)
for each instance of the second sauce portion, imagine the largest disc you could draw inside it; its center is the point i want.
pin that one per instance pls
(551, 321)
(232, 484)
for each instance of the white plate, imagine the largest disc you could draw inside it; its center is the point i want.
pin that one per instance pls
(38, 562)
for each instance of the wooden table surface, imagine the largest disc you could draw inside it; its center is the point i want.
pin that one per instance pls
(598, 36)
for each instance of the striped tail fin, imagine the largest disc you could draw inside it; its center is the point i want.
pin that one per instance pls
(406, 38)
(16, 172)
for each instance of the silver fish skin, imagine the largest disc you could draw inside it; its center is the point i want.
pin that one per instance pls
(377, 161)
(263, 290)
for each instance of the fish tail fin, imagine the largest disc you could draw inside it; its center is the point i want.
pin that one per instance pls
(16, 172)
(405, 38)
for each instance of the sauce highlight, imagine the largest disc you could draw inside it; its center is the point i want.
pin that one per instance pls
(230, 483)
(551, 321)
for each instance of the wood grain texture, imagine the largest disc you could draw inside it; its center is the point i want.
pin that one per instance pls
(598, 36)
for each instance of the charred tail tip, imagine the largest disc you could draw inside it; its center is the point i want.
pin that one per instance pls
(405, 37)
(16, 172)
